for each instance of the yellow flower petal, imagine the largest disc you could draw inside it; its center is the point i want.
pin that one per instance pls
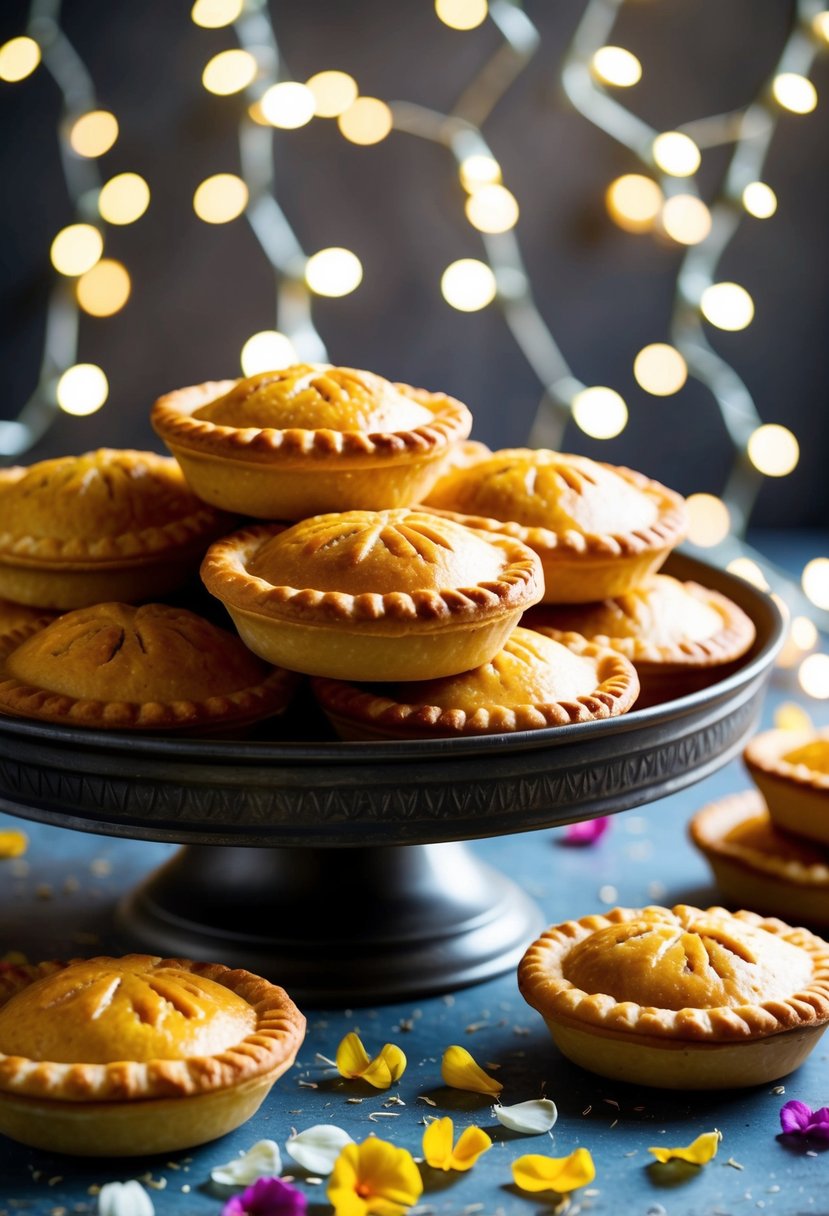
(394, 1059)
(560, 1174)
(374, 1178)
(472, 1144)
(460, 1071)
(437, 1144)
(700, 1152)
(13, 843)
(352, 1058)
(352, 1061)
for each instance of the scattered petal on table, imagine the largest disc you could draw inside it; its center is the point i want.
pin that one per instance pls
(317, 1148)
(530, 1118)
(353, 1062)
(699, 1152)
(537, 1173)
(440, 1152)
(124, 1199)
(374, 1178)
(460, 1071)
(262, 1161)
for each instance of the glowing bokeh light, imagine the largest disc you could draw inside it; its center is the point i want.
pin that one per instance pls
(727, 306)
(333, 272)
(267, 351)
(366, 121)
(462, 14)
(93, 133)
(633, 202)
(686, 219)
(333, 93)
(215, 14)
(479, 170)
(791, 716)
(773, 450)
(660, 369)
(676, 154)
(820, 25)
(18, 59)
(709, 520)
(759, 200)
(794, 92)
(124, 198)
(220, 198)
(105, 289)
(288, 105)
(492, 209)
(813, 676)
(82, 389)
(468, 285)
(815, 581)
(804, 632)
(748, 570)
(614, 65)
(76, 249)
(229, 72)
(600, 412)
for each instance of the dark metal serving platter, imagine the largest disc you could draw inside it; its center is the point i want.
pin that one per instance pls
(415, 913)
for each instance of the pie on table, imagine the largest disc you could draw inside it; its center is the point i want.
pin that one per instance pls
(532, 682)
(308, 439)
(373, 595)
(110, 524)
(137, 1055)
(791, 770)
(680, 998)
(599, 530)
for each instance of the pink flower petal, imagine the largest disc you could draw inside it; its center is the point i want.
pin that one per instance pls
(587, 832)
(267, 1197)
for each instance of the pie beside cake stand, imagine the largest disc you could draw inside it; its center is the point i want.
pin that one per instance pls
(336, 868)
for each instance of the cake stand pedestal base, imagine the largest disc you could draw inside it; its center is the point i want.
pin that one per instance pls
(336, 925)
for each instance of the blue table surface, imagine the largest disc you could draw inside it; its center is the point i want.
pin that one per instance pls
(59, 901)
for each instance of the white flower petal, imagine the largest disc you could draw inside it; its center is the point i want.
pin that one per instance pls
(124, 1199)
(264, 1160)
(318, 1148)
(530, 1118)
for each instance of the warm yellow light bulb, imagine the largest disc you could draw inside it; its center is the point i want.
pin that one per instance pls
(333, 272)
(333, 93)
(728, 306)
(124, 198)
(815, 581)
(634, 202)
(229, 72)
(366, 121)
(18, 59)
(794, 92)
(82, 389)
(288, 105)
(76, 249)
(709, 520)
(214, 14)
(660, 369)
(814, 676)
(773, 450)
(105, 289)
(468, 285)
(492, 209)
(686, 219)
(267, 351)
(614, 65)
(479, 170)
(676, 154)
(462, 14)
(759, 200)
(600, 412)
(746, 569)
(220, 198)
(93, 133)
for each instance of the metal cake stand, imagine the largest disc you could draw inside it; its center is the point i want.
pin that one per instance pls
(260, 882)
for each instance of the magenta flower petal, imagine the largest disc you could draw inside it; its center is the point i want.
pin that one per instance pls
(798, 1119)
(267, 1197)
(588, 832)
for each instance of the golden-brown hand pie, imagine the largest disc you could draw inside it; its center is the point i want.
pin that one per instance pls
(532, 682)
(757, 866)
(791, 770)
(154, 667)
(137, 1055)
(20, 619)
(680, 998)
(679, 636)
(599, 530)
(371, 595)
(106, 525)
(308, 439)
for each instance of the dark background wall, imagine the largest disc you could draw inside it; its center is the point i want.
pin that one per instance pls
(200, 291)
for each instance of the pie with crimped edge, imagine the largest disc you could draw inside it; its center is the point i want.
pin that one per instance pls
(680, 998)
(757, 866)
(680, 636)
(21, 619)
(137, 1055)
(308, 439)
(373, 595)
(152, 667)
(600, 530)
(791, 770)
(531, 683)
(110, 524)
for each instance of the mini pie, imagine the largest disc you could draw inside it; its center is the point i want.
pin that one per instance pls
(757, 866)
(599, 530)
(679, 636)
(532, 682)
(791, 770)
(154, 667)
(365, 595)
(111, 1057)
(680, 998)
(106, 525)
(20, 619)
(308, 439)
